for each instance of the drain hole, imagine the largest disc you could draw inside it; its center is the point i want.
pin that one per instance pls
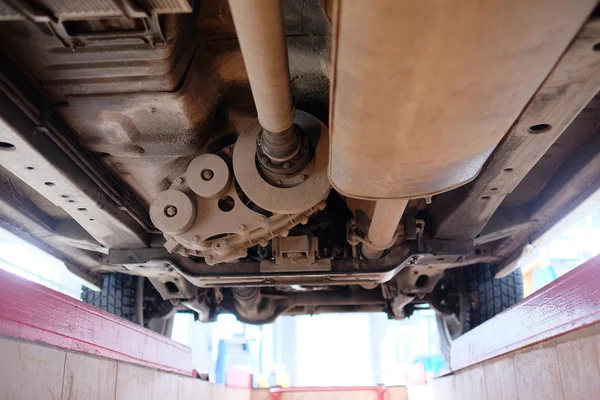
(171, 287)
(539, 128)
(49, 183)
(7, 146)
(421, 281)
(226, 203)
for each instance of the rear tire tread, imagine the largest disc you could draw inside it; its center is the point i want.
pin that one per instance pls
(116, 297)
(487, 296)
(481, 298)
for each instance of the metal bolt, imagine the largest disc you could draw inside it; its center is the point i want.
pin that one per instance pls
(353, 222)
(286, 165)
(194, 238)
(303, 177)
(262, 219)
(207, 174)
(170, 211)
(241, 227)
(263, 242)
(118, 165)
(227, 150)
(208, 257)
(264, 159)
(278, 183)
(179, 181)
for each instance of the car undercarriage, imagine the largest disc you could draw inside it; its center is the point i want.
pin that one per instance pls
(267, 157)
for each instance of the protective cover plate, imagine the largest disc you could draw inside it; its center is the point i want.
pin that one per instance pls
(283, 200)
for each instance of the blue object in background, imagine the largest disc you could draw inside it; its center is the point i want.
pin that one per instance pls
(432, 364)
(221, 362)
(543, 276)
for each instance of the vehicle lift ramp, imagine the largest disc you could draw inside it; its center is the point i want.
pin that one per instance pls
(55, 347)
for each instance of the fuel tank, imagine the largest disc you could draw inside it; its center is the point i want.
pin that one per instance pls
(423, 91)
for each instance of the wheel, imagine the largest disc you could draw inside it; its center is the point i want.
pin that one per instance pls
(473, 297)
(116, 297)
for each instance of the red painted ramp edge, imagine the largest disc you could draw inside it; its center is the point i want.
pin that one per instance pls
(33, 312)
(567, 304)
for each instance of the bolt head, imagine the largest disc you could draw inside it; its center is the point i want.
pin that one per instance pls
(241, 227)
(262, 219)
(278, 183)
(170, 211)
(303, 177)
(208, 257)
(194, 238)
(179, 181)
(207, 174)
(286, 165)
(264, 159)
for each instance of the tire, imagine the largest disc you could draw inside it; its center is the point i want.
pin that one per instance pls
(117, 296)
(479, 298)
